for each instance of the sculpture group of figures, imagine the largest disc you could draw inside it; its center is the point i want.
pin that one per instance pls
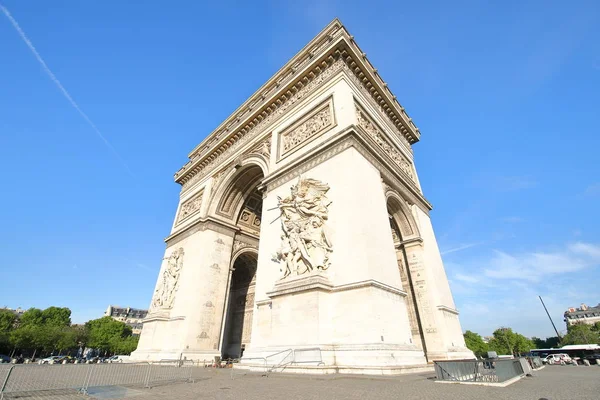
(165, 291)
(305, 245)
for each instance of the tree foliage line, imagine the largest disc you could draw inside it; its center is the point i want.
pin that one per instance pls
(43, 332)
(506, 342)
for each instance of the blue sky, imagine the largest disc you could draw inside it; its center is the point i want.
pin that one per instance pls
(505, 95)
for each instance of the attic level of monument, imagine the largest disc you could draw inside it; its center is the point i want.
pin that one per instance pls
(333, 50)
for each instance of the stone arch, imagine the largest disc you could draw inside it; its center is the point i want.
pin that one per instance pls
(245, 250)
(248, 259)
(401, 215)
(404, 227)
(231, 194)
(240, 308)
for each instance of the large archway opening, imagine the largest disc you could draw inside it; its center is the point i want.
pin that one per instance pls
(401, 228)
(238, 325)
(241, 202)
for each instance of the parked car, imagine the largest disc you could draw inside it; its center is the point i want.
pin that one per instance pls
(557, 359)
(117, 359)
(48, 360)
(4, 359)
(53, 360)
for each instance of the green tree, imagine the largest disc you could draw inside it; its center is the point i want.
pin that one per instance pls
(476, 344)
(104, 332)
(548, 343)
(33, 316)
(56, 316)
(504, 341)
(523, 344)
(8, 321)
(66, 339)
(581, 334)
(124, 346)
(24, 338)
(44, 330)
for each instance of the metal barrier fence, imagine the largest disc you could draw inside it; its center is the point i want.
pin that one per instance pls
(282, 359)
(535, 362)
(81, 377)
(492, 371)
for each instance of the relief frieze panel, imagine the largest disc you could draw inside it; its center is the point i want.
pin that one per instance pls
(164, 295)
(190, 207)
(310, 126)
(379, 137)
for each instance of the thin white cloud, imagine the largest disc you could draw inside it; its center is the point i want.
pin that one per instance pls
(62, 88)
(593, 189)
(466, 278)
(459, 248)
(511, 183)
(534, 266)
(143, 266)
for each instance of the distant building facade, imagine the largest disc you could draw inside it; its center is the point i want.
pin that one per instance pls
(17, 311)
(131, 316)
(583, 314)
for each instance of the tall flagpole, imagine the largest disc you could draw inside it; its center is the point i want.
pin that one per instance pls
(552, 322)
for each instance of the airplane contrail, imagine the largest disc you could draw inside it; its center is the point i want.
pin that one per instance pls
(61, 87)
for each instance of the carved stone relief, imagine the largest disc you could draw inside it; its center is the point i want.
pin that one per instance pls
(305, 246)
(374, 131)
(190, 207)
(306, 129)
(164, 295)
(238, 244)
(263, 148)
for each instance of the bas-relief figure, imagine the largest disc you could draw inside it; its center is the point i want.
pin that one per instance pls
(305, 245)
(165, 292)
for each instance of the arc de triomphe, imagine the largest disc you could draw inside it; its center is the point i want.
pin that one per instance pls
(302, 225)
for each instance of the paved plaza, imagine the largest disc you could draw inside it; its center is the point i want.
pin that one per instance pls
(552, 383)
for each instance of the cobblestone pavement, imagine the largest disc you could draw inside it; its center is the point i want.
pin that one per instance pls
(551, 383)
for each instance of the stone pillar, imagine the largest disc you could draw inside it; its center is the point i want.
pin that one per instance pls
(443, 307)
(192, 326)
(424, 293)
(354, 311)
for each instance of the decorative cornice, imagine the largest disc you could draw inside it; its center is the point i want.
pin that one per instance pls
(197, 168)
(199, 226)
(279, 80)
(369, 81)
(448, 309)
(286, 87)
(320, 282)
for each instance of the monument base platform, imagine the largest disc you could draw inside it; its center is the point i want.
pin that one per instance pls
(174, 354)
(338, 369)
(371, 359)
